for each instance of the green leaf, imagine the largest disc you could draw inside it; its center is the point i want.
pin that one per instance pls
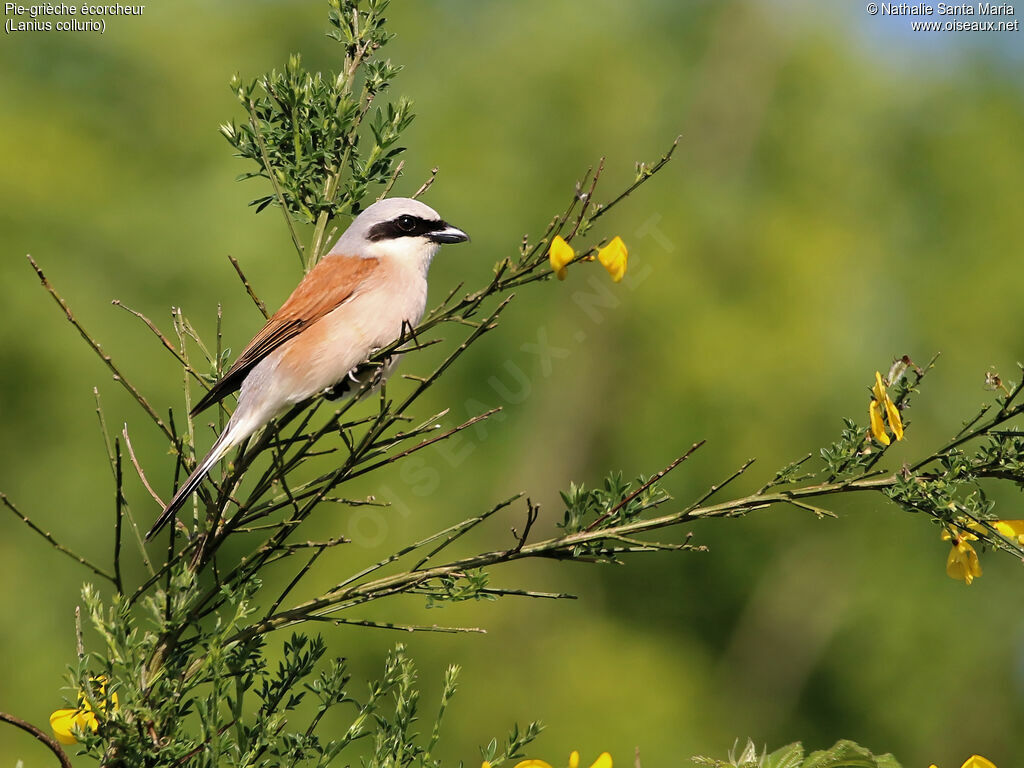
(847, 754)
(790, 756)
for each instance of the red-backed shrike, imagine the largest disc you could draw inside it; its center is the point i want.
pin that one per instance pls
(356, 300)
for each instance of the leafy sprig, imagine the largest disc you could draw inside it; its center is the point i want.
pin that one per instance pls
(304, 134)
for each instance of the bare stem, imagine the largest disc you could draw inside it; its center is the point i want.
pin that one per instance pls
(248, 288)
(118, 376)
(54, 543)
(278, 192)
(51, 744)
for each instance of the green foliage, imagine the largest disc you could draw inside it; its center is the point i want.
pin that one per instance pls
(303, 128)
(214, 702)
(855, 452)
(613, 504)
(512, 748)
(470, 585)
(843, 754)
(950, 485)
(848, 455)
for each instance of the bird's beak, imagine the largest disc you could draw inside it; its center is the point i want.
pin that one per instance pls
(448, 234)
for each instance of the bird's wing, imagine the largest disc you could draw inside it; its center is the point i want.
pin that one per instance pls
(328, 285)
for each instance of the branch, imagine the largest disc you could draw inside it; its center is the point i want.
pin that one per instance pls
(426, 184)
(344, 597)
(277, 187)
(248, 288)
(54, 543)
(51, 744)
(118, 376)
(163, 340)
(138, 467)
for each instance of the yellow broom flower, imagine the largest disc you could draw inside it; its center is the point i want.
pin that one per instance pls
(560, 254)
(1011, 529)
(881, 402)
(974, 761)
(877, 425)
(962, 563)
(65, 722)
(614, 258)
(604, 760)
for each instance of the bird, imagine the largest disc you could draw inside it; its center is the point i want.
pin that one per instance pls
(357, 299)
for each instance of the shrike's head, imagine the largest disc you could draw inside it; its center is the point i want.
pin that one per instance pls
(398, 227)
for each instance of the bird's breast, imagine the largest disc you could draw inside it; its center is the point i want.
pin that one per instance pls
(374, 317)
(380, 311)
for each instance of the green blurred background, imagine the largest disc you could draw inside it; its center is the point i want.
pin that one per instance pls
(845, 191)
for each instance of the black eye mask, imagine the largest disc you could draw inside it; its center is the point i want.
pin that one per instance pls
(405, 225)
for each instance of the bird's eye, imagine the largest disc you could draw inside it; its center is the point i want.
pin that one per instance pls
(406, 223)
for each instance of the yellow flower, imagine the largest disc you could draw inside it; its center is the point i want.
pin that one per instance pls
(962, 563)
(974, 761)
(614, 257)
(1011, 529)
(559, 255)
(959, 533)
(877, 426)
(64, 722)
(892, 413)
(604, 760)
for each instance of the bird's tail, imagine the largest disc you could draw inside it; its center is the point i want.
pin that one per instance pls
(232, 435)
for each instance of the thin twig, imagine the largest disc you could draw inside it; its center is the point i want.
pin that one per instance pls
(967, 425)
(528, 593)
(391, 182)
(716, 488)
(426, 184)
(401, 627)
(587, 200)
(532, 513)
(420, 446)
(646, 485)
(294, 582)
(248, 288)
(601, 210)
(163, 340)
(819, 512)
(281, 201)
(138, 468)
(638, 545)
(103, 430)
(118, 518)
(461, 529)
(53, 542)
(118, 376)
(51, 743)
